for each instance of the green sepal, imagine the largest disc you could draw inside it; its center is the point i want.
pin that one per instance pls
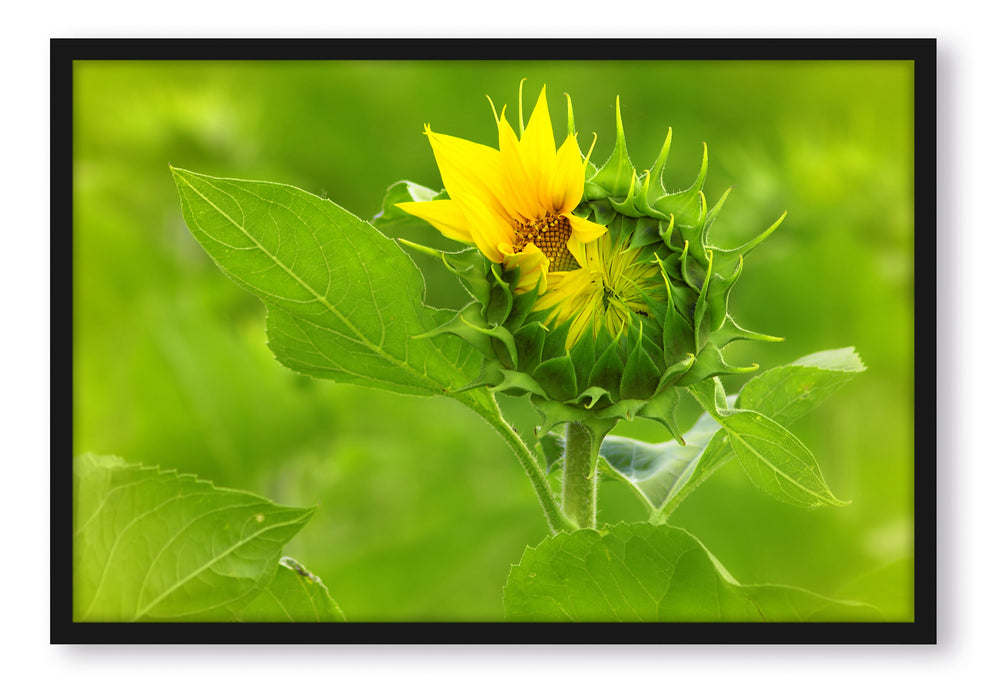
(702, 320)
(555, 344)
(686, 205)
(489, 376)
(694, 272)
(590, 396)
(660, 408)
(682, 296)
(634, 232)
(675, 372)
(671, 236)
(655, 187)
(615, 175)
(693, 233)
(646, 232)
(594, 192)
(469, 325)
(554, 413)
(582, 356)
(678, 334)
(468, 265)
(521, 311)
(502, 296)
(709, 364)
(557, 377)
(710, 217)
(472, 317)
(626, 409)
(640, 375)
(627, 205)
(621, 230)
(653, 343)
(607, 372)
(529, 345)
(731, 331)
(717, 298)
(746, 248)
(643, 199)
(518, 384)
(600, 208)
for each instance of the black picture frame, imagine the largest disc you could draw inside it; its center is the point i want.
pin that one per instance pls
(922, 52)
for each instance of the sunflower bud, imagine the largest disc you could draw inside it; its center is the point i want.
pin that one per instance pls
(596, 292)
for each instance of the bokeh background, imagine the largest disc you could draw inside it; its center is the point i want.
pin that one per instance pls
(422, 508)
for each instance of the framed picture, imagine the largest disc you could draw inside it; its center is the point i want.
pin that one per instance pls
(615, 341)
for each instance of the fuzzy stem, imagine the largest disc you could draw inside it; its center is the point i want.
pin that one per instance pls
(556, 519)
(580, 494)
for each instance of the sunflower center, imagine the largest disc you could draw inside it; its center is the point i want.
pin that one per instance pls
(549, 233)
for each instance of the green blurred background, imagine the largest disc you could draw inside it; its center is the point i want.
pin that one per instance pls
(422, 508)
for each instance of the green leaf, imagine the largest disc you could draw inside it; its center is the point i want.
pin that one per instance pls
(773, 458)
(776, 461)
(648, 573)
(664, 474)
(345, 303)
(294, 595)
(783, 394)
(150, 545)
(715, 455)
(788, 392)
(658, 471)
(399, 192)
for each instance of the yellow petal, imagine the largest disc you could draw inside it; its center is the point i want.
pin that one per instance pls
(537, 144)
(578, 250)
(519, 185)
(566, 292)
(583, 230)
(567, 182)
(488, 230)
(533, 266)
(443, 214)
(471, 172)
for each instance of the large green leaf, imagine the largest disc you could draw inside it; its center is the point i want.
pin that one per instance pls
(294, 595)
(150, 545)
(648, 573)
(344, 302)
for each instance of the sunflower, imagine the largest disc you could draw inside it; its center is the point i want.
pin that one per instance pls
(608, 287)
(516, 203)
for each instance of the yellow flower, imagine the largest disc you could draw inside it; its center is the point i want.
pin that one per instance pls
(608, 287)
(516, 203)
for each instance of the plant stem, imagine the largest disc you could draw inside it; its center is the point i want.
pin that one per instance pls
(556, 519)
(582, 442)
